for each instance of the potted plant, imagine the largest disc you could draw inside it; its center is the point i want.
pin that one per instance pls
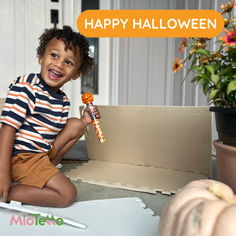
(215, 72)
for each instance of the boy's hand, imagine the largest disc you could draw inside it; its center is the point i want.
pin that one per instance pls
(5, 184)
(7, 137)
(86, 117)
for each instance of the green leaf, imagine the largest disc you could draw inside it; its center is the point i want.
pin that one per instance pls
(233, 63)
(231, 99)
(193, 62)
(196, 68)
(226, 70)
(217, 100)
(202, 52)
(196, 78)
(205, 88)
(219, 85)
(215, 78)
(231, 87)
(212, 94)
(200, 81)
(217, 66)
(185, 76)
(190, 56)
(232, 54)
(207, 78)
(210, 68)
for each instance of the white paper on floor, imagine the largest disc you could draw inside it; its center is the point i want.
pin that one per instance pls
(109, 217)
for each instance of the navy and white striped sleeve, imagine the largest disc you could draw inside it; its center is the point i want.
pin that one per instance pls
(19, 103)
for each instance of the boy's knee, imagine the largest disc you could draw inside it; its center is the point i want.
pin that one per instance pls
(69, 197)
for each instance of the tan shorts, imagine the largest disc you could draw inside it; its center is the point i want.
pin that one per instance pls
(34, 169)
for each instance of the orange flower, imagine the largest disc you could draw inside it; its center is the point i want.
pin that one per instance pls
(200, 43)
(216, 54)
(192, 51)
(182, 45)
(228, 7)
(205, 59)
(229, 38)
(177, 65)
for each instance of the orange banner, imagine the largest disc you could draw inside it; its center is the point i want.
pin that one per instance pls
(150, 23)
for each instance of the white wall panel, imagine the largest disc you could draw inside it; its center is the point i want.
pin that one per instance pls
(7, 62)
(145, 75)
(143, 63)
(21, 22)
(34, 26)
(124, 69)
(19, 37)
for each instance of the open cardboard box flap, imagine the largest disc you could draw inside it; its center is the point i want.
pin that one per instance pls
(148, 148)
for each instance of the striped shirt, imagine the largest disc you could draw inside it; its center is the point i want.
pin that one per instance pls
(37, 113)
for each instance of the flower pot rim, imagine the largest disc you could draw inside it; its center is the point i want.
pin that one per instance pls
(224, 146)
(223, 110)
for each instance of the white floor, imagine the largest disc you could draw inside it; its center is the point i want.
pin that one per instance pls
(110, 217)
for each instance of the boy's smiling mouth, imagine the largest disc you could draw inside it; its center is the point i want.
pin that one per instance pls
(54, 75)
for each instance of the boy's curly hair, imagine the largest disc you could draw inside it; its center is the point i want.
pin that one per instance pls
(72, 40)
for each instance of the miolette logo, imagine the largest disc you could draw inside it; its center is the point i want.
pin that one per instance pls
(36, 220)
(150, 23)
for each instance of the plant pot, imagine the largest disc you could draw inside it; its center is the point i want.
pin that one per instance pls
(225, 124)
(226, 164)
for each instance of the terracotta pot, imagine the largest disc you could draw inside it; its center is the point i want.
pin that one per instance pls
(226, 164)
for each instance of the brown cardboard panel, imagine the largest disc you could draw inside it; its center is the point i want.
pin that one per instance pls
(2, 101)
(177, 138)
(148, 148)
(132, 177)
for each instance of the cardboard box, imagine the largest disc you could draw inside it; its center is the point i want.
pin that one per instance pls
(148, 148)
(2, 101)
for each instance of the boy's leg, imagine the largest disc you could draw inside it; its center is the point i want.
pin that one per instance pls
(72, 132)
(58, 192)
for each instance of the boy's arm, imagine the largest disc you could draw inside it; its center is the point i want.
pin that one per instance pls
(7, 137)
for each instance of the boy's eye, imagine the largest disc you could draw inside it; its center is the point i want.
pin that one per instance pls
(54, 55)
(69, 63)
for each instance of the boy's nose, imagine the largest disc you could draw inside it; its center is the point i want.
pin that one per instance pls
(60, 64)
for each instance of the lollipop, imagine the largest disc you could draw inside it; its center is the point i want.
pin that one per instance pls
(87, 99)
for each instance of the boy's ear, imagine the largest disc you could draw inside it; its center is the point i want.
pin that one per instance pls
(40, 60)
(76, 75)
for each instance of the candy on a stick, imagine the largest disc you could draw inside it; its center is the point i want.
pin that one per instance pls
(87, 99)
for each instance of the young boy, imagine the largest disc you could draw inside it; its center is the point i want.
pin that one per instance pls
(35, 132)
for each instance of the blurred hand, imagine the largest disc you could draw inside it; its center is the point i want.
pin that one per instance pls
(86, 117)
(5, 184)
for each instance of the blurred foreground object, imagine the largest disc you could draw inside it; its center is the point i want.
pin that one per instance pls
(201, 208)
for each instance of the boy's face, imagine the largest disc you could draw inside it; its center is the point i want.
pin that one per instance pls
(58, 65)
